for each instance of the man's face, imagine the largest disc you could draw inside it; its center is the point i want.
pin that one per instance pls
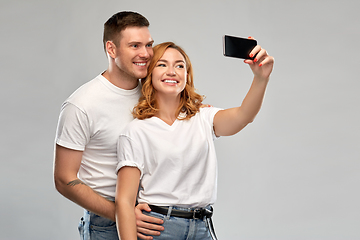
(134, 52)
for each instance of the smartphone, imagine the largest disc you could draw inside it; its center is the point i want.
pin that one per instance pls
(238, 47)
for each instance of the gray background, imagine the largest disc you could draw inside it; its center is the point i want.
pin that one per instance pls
(292, 174)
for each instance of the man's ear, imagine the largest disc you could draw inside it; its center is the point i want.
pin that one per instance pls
(110, 49)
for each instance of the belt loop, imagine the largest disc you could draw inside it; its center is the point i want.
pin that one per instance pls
(169, 212)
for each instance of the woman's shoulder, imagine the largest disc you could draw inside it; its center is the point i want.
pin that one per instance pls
(209, 110)
(207, 114)
(136, 125)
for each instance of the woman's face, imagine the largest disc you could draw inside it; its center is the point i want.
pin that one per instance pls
(169, 74)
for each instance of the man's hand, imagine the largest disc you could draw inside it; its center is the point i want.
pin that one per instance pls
(146, 224)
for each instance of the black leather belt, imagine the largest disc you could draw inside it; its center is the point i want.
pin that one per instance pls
(198, 213)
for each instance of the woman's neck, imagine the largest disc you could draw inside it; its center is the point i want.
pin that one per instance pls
(167, 108)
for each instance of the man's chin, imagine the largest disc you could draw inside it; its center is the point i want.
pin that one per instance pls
(140, 76)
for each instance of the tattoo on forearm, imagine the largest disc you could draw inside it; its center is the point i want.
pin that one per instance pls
(75, 182)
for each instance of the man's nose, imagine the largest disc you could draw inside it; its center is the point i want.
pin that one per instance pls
(144, 53)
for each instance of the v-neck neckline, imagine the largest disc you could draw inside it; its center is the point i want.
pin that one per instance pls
(162, 122)
(174, 124)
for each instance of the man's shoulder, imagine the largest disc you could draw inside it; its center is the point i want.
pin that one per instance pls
(87, 86)
(85, 92)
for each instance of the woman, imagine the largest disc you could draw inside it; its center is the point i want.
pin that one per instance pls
(168, 150)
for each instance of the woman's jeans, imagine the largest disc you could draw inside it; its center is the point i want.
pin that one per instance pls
(94, 227)
(176, 228)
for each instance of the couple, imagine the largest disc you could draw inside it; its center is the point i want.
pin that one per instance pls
(168, 149)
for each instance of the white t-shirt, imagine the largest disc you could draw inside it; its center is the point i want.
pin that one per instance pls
(178, 163)
(91, 121)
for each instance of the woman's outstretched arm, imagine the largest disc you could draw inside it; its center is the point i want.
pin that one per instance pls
(231, 121)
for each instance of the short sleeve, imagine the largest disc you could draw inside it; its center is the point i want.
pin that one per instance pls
(73, 129)
(208, 114)
(129, 154)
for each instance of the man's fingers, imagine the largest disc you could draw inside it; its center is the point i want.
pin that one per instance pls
(144, 237)
(146, 231)
(142, 232)
(143, 206)
(148, 219)
(205, 105)
(147, 225)
(151, 226)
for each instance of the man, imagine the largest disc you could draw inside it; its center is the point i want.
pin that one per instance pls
(90, 122)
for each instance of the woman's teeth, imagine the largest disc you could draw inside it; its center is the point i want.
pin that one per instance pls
(170, 81)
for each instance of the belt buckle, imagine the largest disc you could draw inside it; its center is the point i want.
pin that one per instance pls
(197, 214)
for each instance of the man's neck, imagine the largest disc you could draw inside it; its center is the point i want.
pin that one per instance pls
(119, 80)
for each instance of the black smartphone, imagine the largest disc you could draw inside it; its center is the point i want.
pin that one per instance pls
(238, 47)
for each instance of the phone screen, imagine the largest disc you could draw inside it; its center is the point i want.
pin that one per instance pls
(238, 47)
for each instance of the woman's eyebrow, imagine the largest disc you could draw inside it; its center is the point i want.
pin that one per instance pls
(163, 60)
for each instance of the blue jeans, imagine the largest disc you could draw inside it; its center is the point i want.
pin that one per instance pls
(94, 227)
(176, 228)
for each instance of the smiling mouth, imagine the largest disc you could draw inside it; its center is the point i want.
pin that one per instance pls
(170, 81)
(140, 64)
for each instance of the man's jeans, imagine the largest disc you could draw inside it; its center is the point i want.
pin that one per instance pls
(94, 227)
(182, 228)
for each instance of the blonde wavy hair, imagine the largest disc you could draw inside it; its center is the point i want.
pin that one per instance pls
(190, 101)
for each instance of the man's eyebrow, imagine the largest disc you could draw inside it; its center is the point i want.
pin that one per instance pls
(134, 43)
(139, 43)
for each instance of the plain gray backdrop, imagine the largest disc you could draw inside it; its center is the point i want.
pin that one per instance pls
(291, 174)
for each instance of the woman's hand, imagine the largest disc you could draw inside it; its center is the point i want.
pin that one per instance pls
(230, 121)
(263, 63)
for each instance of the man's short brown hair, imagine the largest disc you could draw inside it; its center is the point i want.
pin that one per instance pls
(119, 22)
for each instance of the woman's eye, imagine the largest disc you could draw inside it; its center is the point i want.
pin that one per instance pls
(161, 65)
(180, 66)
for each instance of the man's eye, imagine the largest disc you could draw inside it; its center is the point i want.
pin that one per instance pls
(149, 45)
(134, 45)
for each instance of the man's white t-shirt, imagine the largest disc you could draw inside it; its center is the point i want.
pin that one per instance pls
(91, 121)
(177, 163)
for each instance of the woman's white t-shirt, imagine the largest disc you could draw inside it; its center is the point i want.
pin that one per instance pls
(178, 163)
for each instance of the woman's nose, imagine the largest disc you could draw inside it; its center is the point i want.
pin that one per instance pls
(171, 71)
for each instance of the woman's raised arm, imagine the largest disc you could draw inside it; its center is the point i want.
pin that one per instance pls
(231, 121)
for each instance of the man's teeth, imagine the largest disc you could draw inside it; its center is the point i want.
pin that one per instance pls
(140, 64)
(170, 81)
